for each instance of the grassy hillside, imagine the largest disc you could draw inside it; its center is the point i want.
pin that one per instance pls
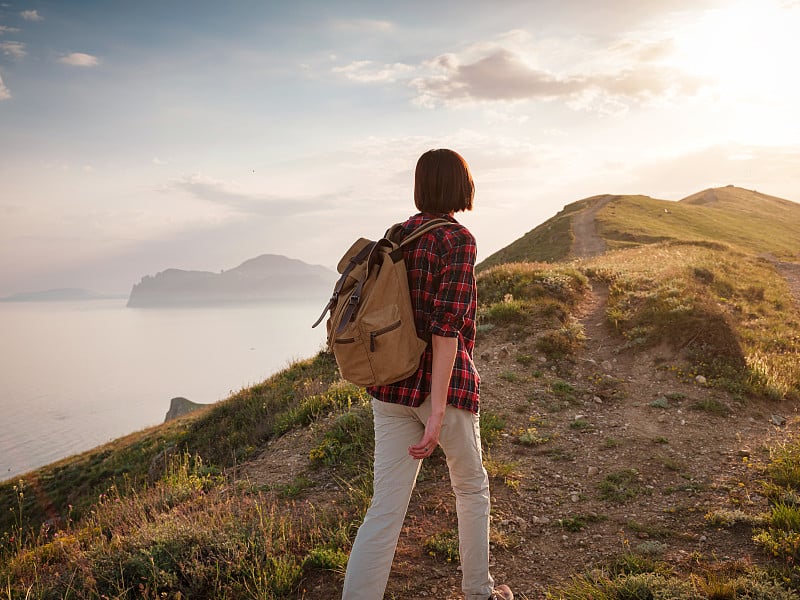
(631, 420)
(549, 242)
(746, 220)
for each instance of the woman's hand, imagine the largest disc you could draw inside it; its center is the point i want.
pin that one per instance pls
(444, 357)
(430, 439)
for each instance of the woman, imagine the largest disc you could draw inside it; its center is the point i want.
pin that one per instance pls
(438, 405)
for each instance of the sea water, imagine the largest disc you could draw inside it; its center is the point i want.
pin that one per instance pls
(74, 375)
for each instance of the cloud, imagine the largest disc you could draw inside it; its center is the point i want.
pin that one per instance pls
(647, 81)
(7, 29)
(219, 192)
(584, 74)
(5, 94)
(31, 15)
(79, 59)
(500, 75)
(366, 71)
(15, 50)
(503, 75)
(644, 50)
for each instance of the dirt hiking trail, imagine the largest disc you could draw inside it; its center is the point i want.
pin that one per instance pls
(791, 272)
(585, 241)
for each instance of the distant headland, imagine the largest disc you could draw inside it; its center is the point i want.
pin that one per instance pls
(59, 295)
(268, 277)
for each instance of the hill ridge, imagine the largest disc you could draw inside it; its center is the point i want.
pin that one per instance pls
(751, 221)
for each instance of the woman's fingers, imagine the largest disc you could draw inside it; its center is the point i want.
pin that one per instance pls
(424, 449)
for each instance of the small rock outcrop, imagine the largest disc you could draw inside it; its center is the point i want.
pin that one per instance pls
(181, 406)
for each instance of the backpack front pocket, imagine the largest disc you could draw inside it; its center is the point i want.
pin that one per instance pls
(374, 335)
(351, 356)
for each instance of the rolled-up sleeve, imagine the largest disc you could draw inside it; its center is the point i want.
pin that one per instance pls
(455, 296)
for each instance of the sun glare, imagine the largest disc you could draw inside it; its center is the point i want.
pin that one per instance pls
(744, 48)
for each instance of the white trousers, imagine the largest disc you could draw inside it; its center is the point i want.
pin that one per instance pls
(396, 428)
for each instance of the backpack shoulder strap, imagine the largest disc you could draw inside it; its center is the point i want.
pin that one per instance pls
(423, 229)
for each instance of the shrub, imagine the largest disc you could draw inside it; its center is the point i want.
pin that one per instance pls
(339, 396)
(507, 312)
(491, 427)
(532, 281)
(326, 559)
(562, 342)
(783, 468)
(532, 437)
(711, 405)
(443, 546)
(349, 442)
(620, 486)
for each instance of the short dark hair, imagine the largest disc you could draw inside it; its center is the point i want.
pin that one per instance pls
(443, 182)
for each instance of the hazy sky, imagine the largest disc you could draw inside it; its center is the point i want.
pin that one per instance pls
(137, 136)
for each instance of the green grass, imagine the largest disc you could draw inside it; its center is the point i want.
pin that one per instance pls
(580, 424)
(532, 282)
(530, 436)
(340, 396)
(348, 442)
(660, 402)
(647, 586)
(563, 341)
(507, 471)
(711, 405)
(579, 522)
(783, 469)
(549, 242)
(740, 218)
(730, 518)
(492, 426)
(443, 546)
(523, 297)
(780, 535)
(190, 534)
(511, 377)
(621, 486)
(563, 389)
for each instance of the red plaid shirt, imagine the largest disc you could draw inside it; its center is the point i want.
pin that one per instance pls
(441, 277)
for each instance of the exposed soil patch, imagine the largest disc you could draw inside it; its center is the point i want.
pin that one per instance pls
(586, 242)
(791, 272)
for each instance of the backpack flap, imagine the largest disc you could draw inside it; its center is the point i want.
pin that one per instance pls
(353, 252)
(357, 253)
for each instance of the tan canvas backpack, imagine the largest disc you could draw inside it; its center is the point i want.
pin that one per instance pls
(371, 329)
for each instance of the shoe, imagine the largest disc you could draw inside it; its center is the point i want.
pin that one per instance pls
(502, 592)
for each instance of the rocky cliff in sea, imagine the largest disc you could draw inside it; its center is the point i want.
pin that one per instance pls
(181, 406)
(267, 277)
